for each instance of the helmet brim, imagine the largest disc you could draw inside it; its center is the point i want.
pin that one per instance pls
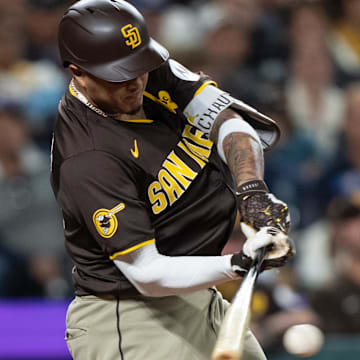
(142, 61)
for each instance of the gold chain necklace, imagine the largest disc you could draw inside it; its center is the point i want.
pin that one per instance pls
(81, 97)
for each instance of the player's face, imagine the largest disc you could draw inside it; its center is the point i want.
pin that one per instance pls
(114, 98)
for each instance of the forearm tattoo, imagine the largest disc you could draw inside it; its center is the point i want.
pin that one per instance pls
(244, 155)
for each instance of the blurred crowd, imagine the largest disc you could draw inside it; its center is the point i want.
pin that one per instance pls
(296, 61)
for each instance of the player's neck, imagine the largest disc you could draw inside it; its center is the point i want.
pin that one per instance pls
(140, 114)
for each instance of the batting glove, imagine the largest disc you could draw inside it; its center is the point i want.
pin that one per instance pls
(259, 208)
(280, 248)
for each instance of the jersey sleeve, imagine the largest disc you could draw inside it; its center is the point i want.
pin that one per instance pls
(200, 101)
(101, 193)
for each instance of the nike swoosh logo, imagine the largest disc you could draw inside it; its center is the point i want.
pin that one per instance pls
(135, 151)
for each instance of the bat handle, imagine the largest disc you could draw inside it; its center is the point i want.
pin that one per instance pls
(259, 258)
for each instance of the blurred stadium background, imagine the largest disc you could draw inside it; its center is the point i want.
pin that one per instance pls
(297, 61)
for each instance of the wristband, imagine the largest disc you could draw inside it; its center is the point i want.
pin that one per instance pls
(253, 185)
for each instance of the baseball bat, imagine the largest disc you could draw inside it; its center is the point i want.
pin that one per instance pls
(230, 342)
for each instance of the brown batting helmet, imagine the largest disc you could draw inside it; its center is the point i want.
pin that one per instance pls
(108, 39)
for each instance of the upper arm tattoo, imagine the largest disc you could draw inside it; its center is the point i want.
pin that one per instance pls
(220, 119)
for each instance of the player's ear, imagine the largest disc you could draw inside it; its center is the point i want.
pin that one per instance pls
(75, 70)
(78, 74)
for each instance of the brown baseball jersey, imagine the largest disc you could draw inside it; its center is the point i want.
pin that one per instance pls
(124, 184)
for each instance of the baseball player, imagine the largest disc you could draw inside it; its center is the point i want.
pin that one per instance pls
(150, 163)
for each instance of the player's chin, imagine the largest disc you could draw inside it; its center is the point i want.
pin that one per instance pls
(133, 105)
(134, 110)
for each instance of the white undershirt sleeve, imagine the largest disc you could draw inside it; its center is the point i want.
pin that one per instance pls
(154, 274)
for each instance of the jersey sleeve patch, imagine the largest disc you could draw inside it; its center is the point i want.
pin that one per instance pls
(203, 109)
(106, 222)
(163, 99)
(182, 72)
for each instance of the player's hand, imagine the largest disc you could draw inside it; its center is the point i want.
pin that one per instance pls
(279, 248)
(259, 208)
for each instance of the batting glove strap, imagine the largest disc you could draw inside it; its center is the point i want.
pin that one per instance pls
(253, 185)
(240, 263)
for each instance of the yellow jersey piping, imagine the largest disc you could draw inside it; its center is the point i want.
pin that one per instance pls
(202, 87)
(133, 248)
(145, 121)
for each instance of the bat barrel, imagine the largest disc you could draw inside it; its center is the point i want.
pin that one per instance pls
(230, 342)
